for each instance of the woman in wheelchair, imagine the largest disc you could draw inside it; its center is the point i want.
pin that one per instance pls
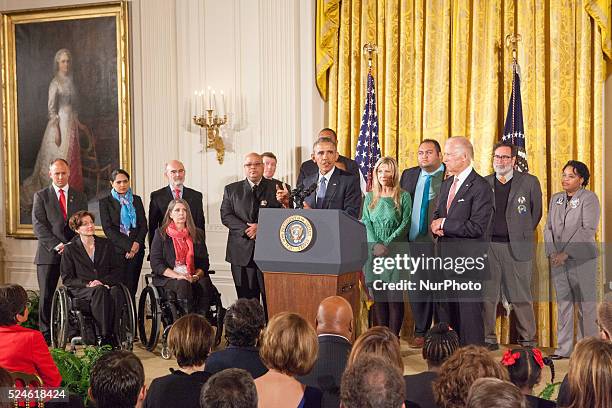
(91, 271)
(179, 258)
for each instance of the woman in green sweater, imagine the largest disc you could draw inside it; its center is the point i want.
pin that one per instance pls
(386, 215)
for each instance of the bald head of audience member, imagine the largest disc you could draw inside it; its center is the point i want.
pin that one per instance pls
(175, 173)
(458, 154)
(335, 316)
(604, 317)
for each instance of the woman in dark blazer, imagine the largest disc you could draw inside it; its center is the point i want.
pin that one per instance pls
(179, 257)
(125, 224)
(91, 271)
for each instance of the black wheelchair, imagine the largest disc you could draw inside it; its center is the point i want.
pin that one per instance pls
(72, 321)
(158, 309)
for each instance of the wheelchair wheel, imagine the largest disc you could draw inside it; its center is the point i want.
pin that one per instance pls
(149, 317)
(59, 318)
(127, 322)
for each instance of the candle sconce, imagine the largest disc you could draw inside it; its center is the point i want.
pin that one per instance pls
(212, 124)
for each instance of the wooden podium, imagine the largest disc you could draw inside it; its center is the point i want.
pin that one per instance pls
(298, 280)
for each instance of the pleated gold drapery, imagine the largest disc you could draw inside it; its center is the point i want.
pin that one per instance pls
(442, 70)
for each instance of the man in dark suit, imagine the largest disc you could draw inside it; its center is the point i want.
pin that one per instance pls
(461, 223)
(158, 203)
(51, 210)
(309, 167)
(517, 212)
(335, 333)
(336, 189)
(239, 212)
(423, 184)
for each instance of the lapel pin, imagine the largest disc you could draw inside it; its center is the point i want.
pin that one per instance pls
(559, 201)
(522, 209)
(521, 200)
(574, 202)
(263, 203)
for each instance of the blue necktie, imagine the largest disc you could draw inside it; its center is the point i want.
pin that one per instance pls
(321, 192)
(424, 206)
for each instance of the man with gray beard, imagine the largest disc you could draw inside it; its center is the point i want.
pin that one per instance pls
(517, 212)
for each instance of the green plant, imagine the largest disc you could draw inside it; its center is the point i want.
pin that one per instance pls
(34, 299)
(75, 369)
(549, 390)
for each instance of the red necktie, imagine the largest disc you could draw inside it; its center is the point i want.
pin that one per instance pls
(451, 193)
(62, 200)
(177, 194)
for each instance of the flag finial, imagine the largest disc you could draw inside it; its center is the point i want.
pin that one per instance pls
(512, 41)
(370, 49)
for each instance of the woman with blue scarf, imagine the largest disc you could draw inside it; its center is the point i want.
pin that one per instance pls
(125, 225)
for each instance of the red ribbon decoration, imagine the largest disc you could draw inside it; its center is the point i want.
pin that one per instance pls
(537, 355)
(509, 358)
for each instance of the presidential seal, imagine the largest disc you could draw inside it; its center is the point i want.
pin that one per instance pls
(295, 233)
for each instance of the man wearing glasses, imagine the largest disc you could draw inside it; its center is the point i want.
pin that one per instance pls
(517, 212)
(239, 213)
(158, 203)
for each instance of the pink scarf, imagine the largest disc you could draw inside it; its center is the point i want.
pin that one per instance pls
(183, 246)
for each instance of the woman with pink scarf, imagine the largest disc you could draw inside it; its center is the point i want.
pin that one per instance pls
(179, 258)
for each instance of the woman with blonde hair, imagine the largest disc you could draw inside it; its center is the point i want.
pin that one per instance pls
(289, 348)
(386, 215)
(590, 374)
(379, 341)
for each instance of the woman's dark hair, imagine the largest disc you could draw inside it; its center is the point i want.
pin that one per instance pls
(116, 380)
(244, 321)
(580, 169)
(116, 172)
(524, 370)
(77, 219)
(6, 381)
(13, 301)
(440, 343)
(189, 224)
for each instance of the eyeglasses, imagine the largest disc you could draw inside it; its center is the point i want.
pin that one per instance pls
(252, 164)
(175, 172)
(502, 157)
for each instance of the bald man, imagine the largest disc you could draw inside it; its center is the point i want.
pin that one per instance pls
(174, 171)
(239, 213)
(335, 331)
(461, 224)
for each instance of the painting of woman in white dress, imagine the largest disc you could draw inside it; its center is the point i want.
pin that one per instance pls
(61, 138)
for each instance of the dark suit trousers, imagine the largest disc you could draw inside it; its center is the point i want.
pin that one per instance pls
(196, 295)
(131, 271)
(47, 275)
(421, 302)
(251, 284)
(106, 306)
(465, 317)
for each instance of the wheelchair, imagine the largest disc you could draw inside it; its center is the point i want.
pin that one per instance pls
(158, 309)
(72, 321)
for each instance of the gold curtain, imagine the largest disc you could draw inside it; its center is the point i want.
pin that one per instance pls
(442, 70)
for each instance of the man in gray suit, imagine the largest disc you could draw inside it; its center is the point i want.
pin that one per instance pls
(517, 212)
(51, 210)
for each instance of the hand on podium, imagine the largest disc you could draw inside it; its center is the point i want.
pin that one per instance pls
(306, 206)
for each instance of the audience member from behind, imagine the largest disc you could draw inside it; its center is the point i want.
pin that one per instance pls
(244, 321)
(590, 374)
(5, 382)
(525, 368)
(230, 388)
(379, 341)
(23, 349)
(117, 380)
(604, 321)
(371, 382)
(440, 342)
(458, 373)
(335, 332)
(289, 348)
(190, 340)
(495, 393)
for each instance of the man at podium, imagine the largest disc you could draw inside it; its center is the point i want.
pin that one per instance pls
(336, 189)
(240, 212)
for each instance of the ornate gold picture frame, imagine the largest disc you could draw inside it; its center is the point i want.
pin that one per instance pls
(66, 94)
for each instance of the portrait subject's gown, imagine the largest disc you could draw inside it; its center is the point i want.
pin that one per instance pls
(62, 110)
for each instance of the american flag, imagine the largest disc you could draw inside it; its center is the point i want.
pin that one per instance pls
(514, 131)
(368, 148)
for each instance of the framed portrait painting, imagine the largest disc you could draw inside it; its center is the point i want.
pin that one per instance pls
(65, 82)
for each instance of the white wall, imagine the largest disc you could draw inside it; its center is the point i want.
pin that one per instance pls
(259, 50)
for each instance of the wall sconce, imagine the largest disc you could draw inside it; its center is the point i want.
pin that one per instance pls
(210, 118)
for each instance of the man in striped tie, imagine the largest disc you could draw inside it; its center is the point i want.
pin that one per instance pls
(423, 183)
(51, 210)
(461, 223)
